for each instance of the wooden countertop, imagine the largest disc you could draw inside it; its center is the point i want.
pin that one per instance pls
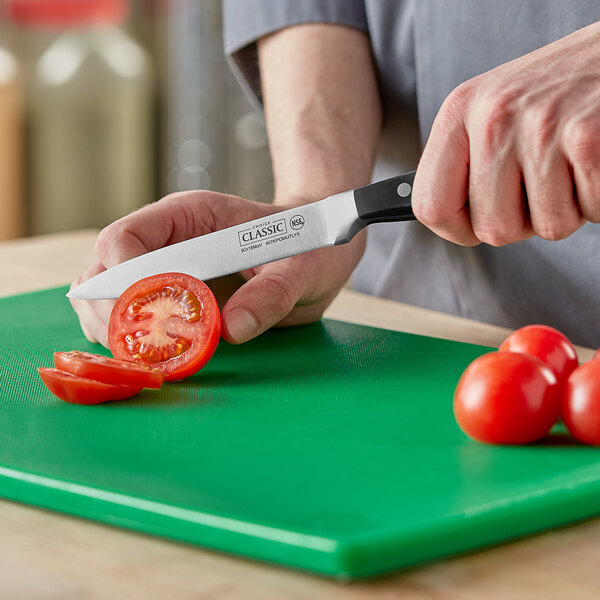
(48, 556)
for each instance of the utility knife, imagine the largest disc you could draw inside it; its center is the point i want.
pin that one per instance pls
(329, 222)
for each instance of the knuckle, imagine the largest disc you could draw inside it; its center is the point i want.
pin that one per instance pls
(493, 236)
(278, 293)
(582, 143)
(554, 230)
(429, 211)
(106, 238)
(456, 102)
(173, 197)
(591, 210)
(115, 241)
(540, 120)
(495, 115)
(456, 99)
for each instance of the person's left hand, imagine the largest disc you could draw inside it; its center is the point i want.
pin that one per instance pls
(515, 152)
(290, 291)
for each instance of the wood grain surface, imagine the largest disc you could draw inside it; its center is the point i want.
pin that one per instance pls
(48, 556)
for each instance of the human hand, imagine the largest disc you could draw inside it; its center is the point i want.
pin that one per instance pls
(515, 152)
(287, 292)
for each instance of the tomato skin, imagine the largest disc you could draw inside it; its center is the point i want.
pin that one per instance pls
(79, 390)
(140, 325)
(546, 343)
(108, 370)
(581, 403)
(507, 398)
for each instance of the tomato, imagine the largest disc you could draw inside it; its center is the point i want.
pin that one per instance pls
(169, 321)
(581, 403)
(507, 398)
(547, 344)
(108, 370)
(80, 390)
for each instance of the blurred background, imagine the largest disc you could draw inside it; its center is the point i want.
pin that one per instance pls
(107, 105)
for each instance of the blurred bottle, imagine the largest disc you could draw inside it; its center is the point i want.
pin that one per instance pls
(11, 147)
(90, 113)
(216, 139)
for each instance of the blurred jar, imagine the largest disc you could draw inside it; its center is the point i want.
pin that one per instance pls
(90, 100)
(11, 146)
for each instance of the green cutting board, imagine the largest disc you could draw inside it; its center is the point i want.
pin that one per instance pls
(329, 447)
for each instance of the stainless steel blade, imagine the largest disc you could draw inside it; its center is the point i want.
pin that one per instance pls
(287, 233)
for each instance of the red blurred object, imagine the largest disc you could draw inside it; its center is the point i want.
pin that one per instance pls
(66, 13)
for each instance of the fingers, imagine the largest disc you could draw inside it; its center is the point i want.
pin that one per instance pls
(172, 219)
(581, 145)
(554, 211)
(485, 149)
(440, 192)
(137, 233)
(93, 315)
(261, 302)
(497, 202)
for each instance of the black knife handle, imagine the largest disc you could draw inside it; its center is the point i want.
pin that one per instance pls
(385, 201)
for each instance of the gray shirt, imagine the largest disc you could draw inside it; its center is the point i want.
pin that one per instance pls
(423, 49)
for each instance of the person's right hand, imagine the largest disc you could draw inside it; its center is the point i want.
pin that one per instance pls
(291, 291)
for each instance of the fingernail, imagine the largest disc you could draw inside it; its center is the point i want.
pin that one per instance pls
(241, 325)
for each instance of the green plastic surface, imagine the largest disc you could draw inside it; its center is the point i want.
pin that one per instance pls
(330, 447)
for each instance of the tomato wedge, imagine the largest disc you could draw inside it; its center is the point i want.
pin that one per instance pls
(80, 390)
(169, 321)
(108, 370)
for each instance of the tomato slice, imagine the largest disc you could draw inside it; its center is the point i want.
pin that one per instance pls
(80, 390)
(169, 321)
(108, 370)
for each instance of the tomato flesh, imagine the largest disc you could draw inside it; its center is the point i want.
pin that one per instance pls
(546, 343)
(108, 370)
(80, 390)
(581, 403)
(507, 398)
(169, 321)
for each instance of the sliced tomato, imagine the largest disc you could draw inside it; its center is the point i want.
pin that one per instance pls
(80, 390)
(169, 321)
(108, 370)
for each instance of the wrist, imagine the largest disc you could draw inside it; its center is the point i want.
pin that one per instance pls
(311, 187)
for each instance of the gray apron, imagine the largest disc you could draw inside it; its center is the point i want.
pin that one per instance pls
(423, 49)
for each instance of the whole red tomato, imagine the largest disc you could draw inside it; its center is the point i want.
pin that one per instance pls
(507, 398)
(581, 403)
(546, 343)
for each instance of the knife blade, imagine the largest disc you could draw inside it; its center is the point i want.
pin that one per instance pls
(329, 222)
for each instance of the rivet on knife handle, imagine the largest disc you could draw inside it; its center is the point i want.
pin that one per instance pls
(385, 201)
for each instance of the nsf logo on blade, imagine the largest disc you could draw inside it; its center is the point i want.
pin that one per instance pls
(297, 222)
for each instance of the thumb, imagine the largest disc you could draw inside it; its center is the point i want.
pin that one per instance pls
(261, 302)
